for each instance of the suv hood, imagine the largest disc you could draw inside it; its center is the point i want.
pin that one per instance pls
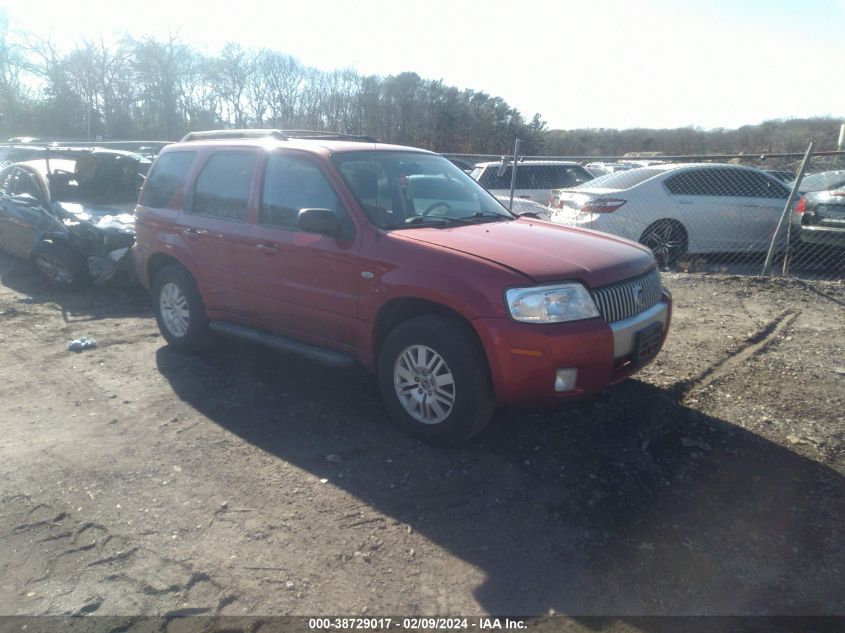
(544, 251)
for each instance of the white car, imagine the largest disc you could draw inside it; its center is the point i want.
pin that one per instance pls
(680, 208)
(534, 178)
(602, 169)
(522, 206)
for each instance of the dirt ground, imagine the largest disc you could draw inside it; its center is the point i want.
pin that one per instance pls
(138, 480)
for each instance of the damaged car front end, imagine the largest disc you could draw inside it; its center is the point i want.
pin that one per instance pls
(70, 213)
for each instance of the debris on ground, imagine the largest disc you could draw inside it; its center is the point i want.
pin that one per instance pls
(82, 343)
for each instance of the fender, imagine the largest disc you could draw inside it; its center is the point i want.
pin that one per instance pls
(161, 227)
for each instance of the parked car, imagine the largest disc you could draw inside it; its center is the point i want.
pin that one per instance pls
(464, 164)
(17, 153)
(70, 213)
(597, 169)
(522, 206)
(394, 258)
(819, 217)
(821, 181)
(680, 208)
(784, 175)
(534, 178)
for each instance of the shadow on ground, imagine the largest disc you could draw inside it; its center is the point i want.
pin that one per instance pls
(624, 503)
(76, 304)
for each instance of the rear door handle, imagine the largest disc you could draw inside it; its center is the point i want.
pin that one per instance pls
(193, 234)
(685, 202)
(267, 249)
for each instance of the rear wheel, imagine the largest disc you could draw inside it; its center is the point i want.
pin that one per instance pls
(667, 239)
(179, 309)
(434, 379)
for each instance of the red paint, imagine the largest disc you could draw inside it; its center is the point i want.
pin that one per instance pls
(310, 287)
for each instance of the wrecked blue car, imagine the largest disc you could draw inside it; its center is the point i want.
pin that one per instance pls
(70, 213)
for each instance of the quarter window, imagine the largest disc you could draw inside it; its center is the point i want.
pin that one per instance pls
(165, 177)
(222, 189)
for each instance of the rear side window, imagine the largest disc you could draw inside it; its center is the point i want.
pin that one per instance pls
(222, 189)
(165, 177)
(292, 184)
(725, 182)
(491, 179)
(702, 182)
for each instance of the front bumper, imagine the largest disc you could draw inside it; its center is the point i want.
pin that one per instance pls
(524, 358)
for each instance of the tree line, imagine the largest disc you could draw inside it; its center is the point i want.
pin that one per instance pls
(779, 136)
(160, 89)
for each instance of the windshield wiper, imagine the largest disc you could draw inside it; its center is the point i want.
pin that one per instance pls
(486, 215)
(439, 220)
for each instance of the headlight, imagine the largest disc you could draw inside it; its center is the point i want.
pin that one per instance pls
(551, 304)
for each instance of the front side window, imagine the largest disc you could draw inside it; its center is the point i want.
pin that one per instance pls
(755, 185)
(164, 179)
(725, 182)
(405, 189)
(222, 189)
(290, 185)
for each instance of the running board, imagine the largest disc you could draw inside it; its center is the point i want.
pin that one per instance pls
(312, 352)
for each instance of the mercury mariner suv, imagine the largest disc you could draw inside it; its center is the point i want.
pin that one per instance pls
(345, 251)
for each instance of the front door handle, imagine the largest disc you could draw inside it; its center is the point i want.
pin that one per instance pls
(266, 248)
(193, 234)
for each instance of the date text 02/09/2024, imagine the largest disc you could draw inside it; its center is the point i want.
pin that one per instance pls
(414, 624)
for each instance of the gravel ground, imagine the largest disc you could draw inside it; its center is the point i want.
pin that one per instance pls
(138, 480)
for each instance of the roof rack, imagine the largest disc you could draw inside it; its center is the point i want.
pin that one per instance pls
(281, 135)
(224, 134)
(328, 136)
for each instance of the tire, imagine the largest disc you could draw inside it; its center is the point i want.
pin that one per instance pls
(667, 239)
(179, 310)
(436, 411)
(60, 264)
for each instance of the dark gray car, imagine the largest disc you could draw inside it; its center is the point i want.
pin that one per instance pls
(70, 212)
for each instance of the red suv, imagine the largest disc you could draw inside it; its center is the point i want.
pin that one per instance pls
(345, 250)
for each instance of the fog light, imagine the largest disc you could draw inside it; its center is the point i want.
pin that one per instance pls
(565, 379)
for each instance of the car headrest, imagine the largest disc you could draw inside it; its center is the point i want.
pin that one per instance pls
(365, 183)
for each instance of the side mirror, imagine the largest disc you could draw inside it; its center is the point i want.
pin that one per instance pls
(322, 221)
(25, 200)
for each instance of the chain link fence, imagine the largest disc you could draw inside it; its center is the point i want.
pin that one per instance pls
(697, 213)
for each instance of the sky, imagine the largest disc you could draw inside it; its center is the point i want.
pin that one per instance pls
(585, 63)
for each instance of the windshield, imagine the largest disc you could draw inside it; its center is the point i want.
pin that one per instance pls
(406, 189)
(623, 179)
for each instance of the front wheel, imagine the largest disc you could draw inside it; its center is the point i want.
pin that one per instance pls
(179, 309)
(434, 379)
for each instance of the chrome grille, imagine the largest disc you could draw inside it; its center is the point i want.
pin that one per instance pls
(625, 299)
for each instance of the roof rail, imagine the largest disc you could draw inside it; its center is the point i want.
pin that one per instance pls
(328, 136)
(231, 134)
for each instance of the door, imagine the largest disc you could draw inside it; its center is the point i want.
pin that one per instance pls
(21, 224)
(215, 230)
(709, 206)
(303, 284)
(764, 199)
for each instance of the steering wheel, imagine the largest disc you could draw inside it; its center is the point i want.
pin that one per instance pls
(434, 206)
